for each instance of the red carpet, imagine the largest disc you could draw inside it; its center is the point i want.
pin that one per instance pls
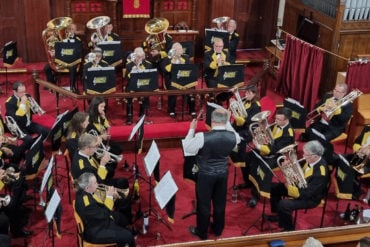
(238, 217)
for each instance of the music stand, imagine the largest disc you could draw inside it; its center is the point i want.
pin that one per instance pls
(100, 80)
(184, 76)
(112, 52)
(143, 81)
(68, 54)
(210, 34)
(34, 157)
(230, 75)
(299, 113)
(10, 56)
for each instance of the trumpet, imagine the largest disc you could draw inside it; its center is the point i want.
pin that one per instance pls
(103, 188)
(35, 107)
(5, 201)
(13, 127)
(113, 157)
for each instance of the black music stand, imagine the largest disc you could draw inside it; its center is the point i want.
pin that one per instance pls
(68, 54)
(112, 52)
(210, 34)
(143, 81)
(100, 80)
(230, 75)
(299, 113)
(10, 56)
(184, 76)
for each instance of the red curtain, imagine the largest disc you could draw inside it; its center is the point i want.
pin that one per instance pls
(358, 74)
(300, 72)
(136, 8)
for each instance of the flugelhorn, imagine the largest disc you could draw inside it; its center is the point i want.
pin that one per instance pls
(237, 106)
(260, 128)
(13, 127)
(35, 107)
(113, 157)
(5, 201)
(289, 165)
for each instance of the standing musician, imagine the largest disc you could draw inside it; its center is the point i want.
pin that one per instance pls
(175, 56)
(212, 150)
(282, 135)
(241, 124)
(137, 63)
(76, 128)
(233, 39)
(333, 126)
(213, 59)
(317, 177)
(18, 106)
(101, 224)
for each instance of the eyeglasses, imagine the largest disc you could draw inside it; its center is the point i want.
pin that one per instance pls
(309, 155)
(96, 146)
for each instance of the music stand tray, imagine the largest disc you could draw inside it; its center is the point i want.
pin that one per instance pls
(143, 81)
(112, 52)
(184, 76)
(214, 33)
(68, 54)
(230, 75)
(101, 80)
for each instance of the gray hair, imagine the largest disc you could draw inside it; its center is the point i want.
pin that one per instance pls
(344, 86)
(219, 116)
(83, 180)
(315, 147)
(312, 242)
(85, 140)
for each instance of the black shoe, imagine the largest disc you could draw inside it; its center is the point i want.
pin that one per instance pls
(194, 232)
(252, 202)
(172, 115)
(22, 234)
(272, 218)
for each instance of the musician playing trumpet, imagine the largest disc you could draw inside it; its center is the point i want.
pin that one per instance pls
(317, 177)
(329, 127)
(18, 107)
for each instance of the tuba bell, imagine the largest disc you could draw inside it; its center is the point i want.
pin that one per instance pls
(290, 167)
(55, 32)
(157, 27)
(260, 128)
(96, 24)
(221, 22)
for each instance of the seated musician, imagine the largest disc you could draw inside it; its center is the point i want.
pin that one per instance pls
(233, 39)
(213, 59)
(76, 128)
(137, 63)
(101, 224)
(241, 124)
(109, 34)
(95, 61)
(317, 177)
(329, 126)
(175, 56)
(18, 106)
(71, 37)
(268, 141)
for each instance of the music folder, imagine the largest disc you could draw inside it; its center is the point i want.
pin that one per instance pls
(68, 54)
(230, 75)
(10, 53)
(112, 52)
(100, 80)
(184, 76)
(143, 81)
(214, 33)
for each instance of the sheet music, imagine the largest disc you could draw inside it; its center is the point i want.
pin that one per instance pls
(143, 71)
(52, 206)
(108, 42)
(293, 101)
(59, 117)
(100, 68)
(47, 174)
(136, 127)
(151, 158)
(165, 190)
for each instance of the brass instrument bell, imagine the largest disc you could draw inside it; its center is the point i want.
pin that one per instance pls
(156, 27)
(96, 24)
(221, 21)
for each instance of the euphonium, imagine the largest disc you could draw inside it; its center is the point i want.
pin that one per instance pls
(331, 106)
(13, 127)
(260, 129)
(5, 201)
(237, 106)
(35, 107)
(290, 166)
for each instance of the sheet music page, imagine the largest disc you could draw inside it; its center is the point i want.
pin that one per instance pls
(35, 142)
(151, 158)
(136, 127)
(165, 190)
(59, 117)
(293, 101)
(52, 206)
(100, 68)
(47, 174)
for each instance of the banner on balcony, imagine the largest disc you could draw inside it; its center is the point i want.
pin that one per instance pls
(136, 8)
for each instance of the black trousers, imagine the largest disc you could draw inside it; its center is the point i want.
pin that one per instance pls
(211, 189)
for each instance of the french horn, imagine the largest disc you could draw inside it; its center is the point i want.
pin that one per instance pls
(157, 28)
(96, 24)
(55, 31)
(221, 22)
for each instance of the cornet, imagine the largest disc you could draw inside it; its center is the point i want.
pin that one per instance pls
(13, 127)
(35, 107)
(103, 188)
(5, 201)
(113, 157)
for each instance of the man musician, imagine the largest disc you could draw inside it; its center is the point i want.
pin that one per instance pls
(109, 34)
(268, 140)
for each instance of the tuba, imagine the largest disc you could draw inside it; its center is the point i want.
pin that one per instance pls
(157, 28)
(290, 166)
(237, 106)
(221, 22)
(96, 24)
(260, 129)
(55, 32)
